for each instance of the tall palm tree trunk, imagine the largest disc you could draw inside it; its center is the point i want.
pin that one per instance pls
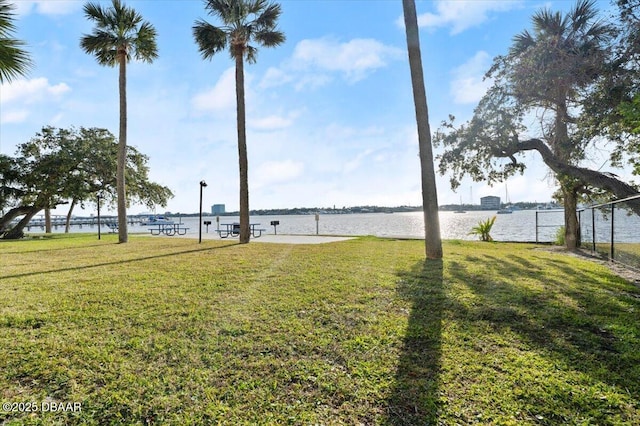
(242, 151)
(122, 151)
(432, 239)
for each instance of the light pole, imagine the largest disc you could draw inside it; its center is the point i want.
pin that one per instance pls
(202, 185)
(98, 196)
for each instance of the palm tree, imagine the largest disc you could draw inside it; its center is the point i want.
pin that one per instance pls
(243, 22)
(13, 60)
(563, 55)
(433, 241)
(120, 34)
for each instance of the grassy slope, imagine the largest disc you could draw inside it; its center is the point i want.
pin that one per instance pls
(166, 331)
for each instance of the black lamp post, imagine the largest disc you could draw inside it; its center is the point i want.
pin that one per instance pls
(98, 196)
(202, 185)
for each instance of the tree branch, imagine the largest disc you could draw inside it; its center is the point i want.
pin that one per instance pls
(594, 178)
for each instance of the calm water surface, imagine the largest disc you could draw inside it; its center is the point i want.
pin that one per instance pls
(518, 226)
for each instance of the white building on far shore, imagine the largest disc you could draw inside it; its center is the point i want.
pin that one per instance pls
(490, 202)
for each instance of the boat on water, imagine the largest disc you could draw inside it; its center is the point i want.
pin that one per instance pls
(460, 210)
(508, 208)
(154, 220)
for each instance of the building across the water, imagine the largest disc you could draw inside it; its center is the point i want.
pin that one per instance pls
(490, 202)
(217, 209)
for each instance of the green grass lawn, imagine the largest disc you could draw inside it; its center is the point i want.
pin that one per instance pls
(167, 331)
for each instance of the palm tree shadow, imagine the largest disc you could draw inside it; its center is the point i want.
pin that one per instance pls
(414, 398)
(115, 263)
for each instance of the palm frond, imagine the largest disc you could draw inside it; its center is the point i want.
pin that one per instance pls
(583, 12)
(118, 28)
(243, 21)
(101, 44)
(6, 19)
(146, 48)
(223, 9)
(270, 38)
(14, 60)
(127, 19)
(209, 38)
(251, 54)
(94, 12)
(522, 42)
(546, 22)
(268, 19)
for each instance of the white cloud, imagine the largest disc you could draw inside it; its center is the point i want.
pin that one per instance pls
(354, 59)
(467, 86)
(15, 116)
(355, 163)
(31, 91)
(222, 97)
(274, 122)
(48, 7)
(271, 172)
(534, 186)
(312, 81)
(461, 15)
(340, 133)
(314, 62)
(275, 77)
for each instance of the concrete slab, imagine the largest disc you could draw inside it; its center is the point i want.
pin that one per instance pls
(271, 238)
(299, 239)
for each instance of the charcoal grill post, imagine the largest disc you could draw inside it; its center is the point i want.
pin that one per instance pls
(202, 185)
(275, 223)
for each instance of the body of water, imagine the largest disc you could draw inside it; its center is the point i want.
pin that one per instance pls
(518, 226)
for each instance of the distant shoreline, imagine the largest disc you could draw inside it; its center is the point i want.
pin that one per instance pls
(351, 210)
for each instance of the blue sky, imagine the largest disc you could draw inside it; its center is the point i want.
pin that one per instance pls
(330, 116)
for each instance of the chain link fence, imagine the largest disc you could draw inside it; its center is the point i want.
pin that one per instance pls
(613, 230)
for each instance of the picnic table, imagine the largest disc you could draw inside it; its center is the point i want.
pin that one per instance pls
(167, 228)
(233, 229)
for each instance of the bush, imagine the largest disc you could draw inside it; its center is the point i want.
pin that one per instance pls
(560, 236)
(483, 229)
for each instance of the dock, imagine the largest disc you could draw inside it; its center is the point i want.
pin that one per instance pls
(61, 221)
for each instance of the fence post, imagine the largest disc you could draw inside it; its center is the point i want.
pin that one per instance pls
(579, 228)
(593, 227)
(611, 252)
(536, 226)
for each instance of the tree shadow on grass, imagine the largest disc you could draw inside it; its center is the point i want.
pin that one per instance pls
(46, 250)
(414, 399)
(581, 320)
(117, 262)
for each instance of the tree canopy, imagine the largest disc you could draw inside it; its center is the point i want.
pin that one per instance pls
(60, 166)
(550, 77)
